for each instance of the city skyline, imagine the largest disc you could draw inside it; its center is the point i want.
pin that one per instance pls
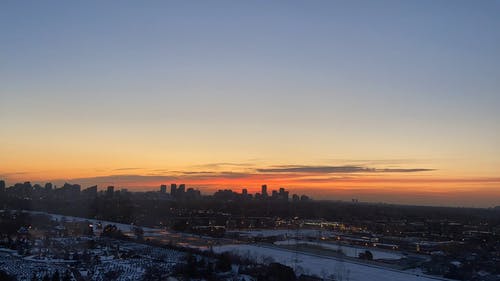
(385, 102)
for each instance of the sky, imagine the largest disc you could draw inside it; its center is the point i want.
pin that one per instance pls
(384, 101)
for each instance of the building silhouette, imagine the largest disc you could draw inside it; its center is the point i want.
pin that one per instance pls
(181, 189)
(173, 189)
(264, 190)
(90, 192)
(110, 191)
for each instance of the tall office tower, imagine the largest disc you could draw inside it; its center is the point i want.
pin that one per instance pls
(2, 186)
(163, 188)
(173, 189)
(283, 194)
(264, 190)
(182, 188)
(110, 191)
(244, 192)
(274, 194)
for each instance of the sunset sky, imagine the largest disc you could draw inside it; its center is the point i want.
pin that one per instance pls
(384, 101)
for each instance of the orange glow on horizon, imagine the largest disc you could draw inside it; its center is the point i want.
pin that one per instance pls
(373, 184)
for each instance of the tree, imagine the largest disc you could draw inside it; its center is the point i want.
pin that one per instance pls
(209, 273)
(112, 275)
(153, 273)
(5, 276)
(139, 233)
(191, 265)
(67, 276)
(278, 272)
(223, 263)
(366, 255)
(55, 276)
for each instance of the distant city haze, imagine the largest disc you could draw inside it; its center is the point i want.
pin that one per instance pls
(382, 101)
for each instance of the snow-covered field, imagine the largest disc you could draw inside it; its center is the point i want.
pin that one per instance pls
(285, 233)
(324, 266)
(349, 251)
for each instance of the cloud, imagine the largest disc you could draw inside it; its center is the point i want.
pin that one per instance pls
(222, 164)
(125, 178)
(365, 162)
(153, 178)
(288, 173)
(14, 174)
(323, 180)
(210, 174)
(127, 169)
(414, 170)
(336, 169)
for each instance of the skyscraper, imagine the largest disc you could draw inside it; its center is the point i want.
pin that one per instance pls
(163, 188)
(286, 196)
(264, 190)
(173, 189)
(283, 194)
(182, 189)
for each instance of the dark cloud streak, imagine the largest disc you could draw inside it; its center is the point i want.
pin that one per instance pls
(127, 169)
(336, 169)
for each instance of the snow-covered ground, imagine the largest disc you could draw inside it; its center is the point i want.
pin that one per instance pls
(285, 233)
(349, 251)
(306, 263)
(324, 266)
(23, 269)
